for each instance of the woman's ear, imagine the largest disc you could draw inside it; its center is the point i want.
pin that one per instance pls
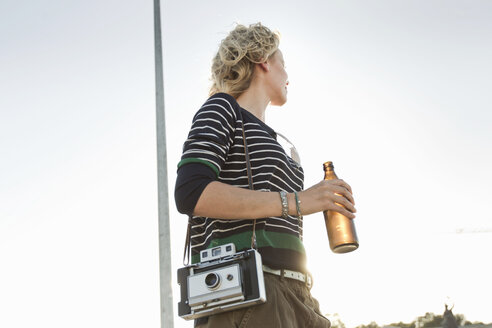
(264, 66)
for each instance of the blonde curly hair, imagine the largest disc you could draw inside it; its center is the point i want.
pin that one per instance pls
(233, 65)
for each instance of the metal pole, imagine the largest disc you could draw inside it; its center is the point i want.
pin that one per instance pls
(163, 197)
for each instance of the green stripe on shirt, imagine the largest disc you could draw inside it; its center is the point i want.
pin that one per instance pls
(263, 239)
(197, 160)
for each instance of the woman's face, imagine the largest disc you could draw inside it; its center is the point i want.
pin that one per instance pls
(277, 79)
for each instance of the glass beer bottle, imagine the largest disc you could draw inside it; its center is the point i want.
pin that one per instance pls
(341, 229)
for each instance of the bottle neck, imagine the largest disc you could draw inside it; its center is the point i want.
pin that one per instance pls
(329, 171)
(330, 175)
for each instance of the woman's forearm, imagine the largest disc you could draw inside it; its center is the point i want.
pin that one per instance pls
(223, 201)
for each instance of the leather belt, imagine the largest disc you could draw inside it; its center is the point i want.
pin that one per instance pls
(305, 278)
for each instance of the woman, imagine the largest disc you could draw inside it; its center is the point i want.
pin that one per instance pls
(212, 187)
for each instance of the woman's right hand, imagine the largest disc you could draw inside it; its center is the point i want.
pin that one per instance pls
(334, 195)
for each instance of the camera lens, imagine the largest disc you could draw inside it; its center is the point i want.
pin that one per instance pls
(212, 280)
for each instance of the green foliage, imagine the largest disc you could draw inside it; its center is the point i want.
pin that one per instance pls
(403, 325)
(371, 325)
(460, 319)
(335, 320)
(429, 320)
(433, 320)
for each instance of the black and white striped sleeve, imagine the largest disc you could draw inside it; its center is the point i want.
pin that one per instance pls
(212, 133)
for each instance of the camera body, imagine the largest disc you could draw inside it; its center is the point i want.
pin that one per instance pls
(223, 281)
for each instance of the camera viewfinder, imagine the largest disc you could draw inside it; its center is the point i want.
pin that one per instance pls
(216, 251)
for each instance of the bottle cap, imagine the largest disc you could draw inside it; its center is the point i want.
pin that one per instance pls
(328, 165)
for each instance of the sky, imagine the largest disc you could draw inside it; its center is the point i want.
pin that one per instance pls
(395, 93)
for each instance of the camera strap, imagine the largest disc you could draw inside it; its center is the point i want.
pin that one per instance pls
(250, 177)
(187, 248)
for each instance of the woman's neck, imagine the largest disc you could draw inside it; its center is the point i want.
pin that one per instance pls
(254, 101)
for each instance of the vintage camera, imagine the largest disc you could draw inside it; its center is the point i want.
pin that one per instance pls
(223, 281)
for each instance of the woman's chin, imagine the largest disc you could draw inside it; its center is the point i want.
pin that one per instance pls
(278, 102)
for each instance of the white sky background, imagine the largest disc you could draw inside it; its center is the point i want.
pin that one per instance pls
(396, 93)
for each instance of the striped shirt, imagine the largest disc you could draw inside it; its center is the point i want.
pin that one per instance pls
(216, 140)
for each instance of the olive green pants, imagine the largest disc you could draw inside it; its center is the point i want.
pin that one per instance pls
(289, 305)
